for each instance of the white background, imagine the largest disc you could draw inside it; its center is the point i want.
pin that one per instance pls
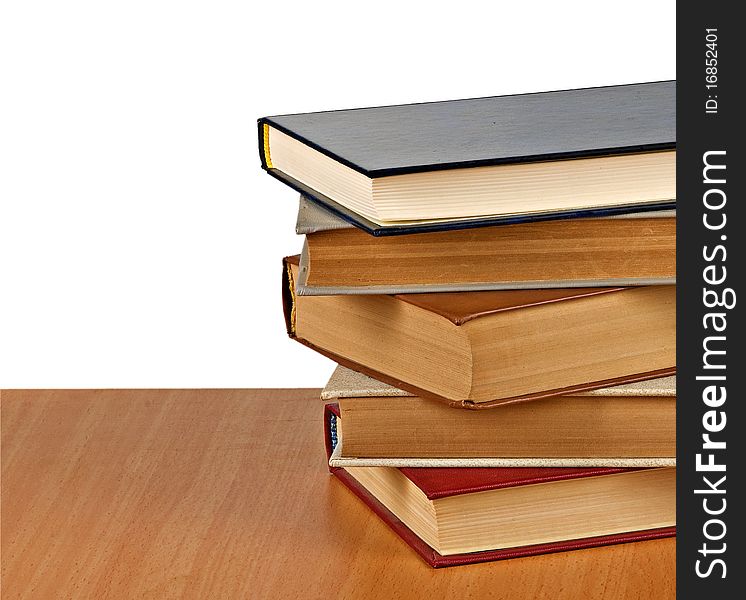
(140, 242)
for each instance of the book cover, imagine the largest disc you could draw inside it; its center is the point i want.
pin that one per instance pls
(346, 383)
(410, 138)
(314, 217)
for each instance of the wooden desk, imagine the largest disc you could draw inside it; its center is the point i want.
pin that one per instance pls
(225, 494)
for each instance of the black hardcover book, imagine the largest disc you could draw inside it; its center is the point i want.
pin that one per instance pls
(461, 163)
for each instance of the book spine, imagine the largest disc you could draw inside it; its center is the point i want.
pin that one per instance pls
(331, 413)
(288, 298)
(263, 133)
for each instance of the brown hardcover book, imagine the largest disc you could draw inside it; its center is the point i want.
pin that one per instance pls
(630, 425)
(479, 349)
(636, 250)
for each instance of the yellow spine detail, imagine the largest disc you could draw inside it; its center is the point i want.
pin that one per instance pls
(267, 157)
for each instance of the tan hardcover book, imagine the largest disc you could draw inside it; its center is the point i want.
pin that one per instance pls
(481, 349)
(338, 258)
(630, 425)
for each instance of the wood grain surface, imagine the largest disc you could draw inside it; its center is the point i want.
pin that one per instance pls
(225, 494)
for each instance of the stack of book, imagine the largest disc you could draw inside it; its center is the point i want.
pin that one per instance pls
(495, 278)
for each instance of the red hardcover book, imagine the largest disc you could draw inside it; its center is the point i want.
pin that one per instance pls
(446, 483)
